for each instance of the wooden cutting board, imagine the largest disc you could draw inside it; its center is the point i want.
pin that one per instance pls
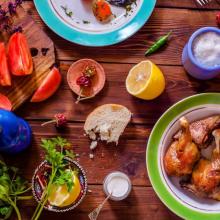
(23, 86)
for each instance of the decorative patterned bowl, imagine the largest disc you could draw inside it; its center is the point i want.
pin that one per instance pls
(40, 178)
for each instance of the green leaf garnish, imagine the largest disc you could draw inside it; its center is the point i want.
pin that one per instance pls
(56, 150)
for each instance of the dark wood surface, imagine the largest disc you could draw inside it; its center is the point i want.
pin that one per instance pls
(183, 17)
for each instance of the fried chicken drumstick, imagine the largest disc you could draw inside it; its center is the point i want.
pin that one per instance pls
(182, 154)
(205, 181)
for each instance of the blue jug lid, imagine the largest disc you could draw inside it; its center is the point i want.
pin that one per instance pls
(9, 127)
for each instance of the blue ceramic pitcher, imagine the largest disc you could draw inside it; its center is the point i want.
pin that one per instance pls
(15, 133)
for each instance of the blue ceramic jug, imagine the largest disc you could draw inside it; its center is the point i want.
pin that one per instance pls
(15, 133)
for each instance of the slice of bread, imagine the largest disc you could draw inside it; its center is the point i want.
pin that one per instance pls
(107, 122)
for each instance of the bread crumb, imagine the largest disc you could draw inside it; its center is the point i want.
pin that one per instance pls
(91, 156)
(92, 135)
(93, 145)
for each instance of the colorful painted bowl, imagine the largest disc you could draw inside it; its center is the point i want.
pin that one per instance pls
(40, 179)
(192, 66)
(183, 203)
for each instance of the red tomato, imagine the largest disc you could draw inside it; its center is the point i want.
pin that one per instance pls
(48, 87)
(5, 103)
(5, 78)
(19, 55)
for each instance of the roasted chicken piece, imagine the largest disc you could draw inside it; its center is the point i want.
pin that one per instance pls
(205, 180)
(201, 130)
(182, 154)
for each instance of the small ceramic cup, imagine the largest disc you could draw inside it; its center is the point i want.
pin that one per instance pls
(192, 66)
(120, 176)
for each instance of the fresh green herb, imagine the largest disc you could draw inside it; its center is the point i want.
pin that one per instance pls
(12, 188)
(67, 11)
(56, 151)
(86, 22)
(158, 44)
(128, 8)
(64, 177)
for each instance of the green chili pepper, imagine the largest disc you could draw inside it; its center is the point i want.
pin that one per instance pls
(158, 44)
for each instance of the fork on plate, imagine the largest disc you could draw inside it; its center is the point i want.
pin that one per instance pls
(203, 2)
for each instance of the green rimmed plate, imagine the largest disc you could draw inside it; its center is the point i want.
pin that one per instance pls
(178, 200)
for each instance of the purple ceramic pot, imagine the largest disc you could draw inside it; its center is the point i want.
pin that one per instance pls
(192, 66)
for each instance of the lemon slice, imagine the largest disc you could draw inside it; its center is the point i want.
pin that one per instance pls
(61, 197)
(145, 80)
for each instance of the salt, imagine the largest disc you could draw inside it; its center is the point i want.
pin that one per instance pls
(206, 49)
(117, 185)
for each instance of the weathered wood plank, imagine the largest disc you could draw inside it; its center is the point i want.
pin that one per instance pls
(128, 156)
(183, 22)
(214, 4)
(179, 85)
(141, 204)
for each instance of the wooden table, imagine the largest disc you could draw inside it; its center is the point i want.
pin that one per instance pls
(183, 17)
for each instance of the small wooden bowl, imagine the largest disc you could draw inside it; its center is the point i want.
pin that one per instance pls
(40, 179)
(98, 80)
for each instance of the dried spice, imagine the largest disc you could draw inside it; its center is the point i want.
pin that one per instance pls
(59, 121)
(121, 3)
(85, 81)
(67, 11)
(5, 17)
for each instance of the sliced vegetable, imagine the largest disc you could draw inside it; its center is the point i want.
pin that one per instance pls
(5, 103)
(48, 87)
(158, 44)
(101, 10)
(5, 78)
(19, 55)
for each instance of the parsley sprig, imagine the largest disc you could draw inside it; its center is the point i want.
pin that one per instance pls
(56, 150)
(12, 188)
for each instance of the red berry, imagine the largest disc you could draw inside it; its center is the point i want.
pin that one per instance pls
(60, 120)
(83, 81)
(218, 19)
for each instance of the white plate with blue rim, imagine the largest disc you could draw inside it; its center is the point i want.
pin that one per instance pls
(74, 20)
